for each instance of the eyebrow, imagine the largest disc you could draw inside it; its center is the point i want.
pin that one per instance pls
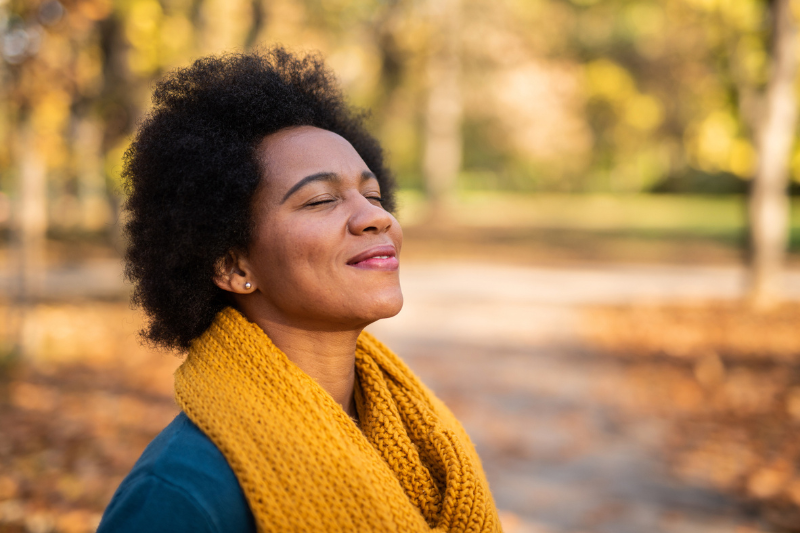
(323, 176)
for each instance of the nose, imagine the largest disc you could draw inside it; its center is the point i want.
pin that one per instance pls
(367, 217)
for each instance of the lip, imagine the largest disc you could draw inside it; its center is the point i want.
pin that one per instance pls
(382, 257)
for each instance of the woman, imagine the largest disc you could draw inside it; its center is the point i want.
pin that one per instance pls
(262, 243)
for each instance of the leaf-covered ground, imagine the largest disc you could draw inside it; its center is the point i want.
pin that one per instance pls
(75, 417)
(729, 378)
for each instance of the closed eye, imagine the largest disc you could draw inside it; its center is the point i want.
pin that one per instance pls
(319, 202)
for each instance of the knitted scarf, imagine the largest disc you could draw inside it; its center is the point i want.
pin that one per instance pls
(304, 465)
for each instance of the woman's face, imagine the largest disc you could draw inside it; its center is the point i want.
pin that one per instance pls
(324, 253)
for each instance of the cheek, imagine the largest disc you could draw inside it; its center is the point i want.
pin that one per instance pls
(299, 253)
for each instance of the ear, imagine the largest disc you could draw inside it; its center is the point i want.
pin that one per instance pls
(233, 274)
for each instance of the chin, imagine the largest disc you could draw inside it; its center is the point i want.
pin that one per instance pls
(386, 306)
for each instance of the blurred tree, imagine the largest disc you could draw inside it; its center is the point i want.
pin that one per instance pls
(769, 205)
(443, 110)
(35, 90)
(572, 95)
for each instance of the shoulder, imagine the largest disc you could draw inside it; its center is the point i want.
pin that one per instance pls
(182, 482)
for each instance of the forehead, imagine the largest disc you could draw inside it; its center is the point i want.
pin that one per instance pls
(294, 153)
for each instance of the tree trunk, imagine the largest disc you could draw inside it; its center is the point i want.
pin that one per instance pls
(31, 214)
(92, 190)
(257, 23)
(768, 202)
(443, 142)
(31, 225)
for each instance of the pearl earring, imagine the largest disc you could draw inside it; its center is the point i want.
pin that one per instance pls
(247, 285)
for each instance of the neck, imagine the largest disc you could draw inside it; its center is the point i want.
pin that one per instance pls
(328, 357)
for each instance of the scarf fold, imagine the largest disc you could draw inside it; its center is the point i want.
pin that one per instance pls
(304, 465)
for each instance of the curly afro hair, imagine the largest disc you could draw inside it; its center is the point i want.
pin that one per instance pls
(191, 172)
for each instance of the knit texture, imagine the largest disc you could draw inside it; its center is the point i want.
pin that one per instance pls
(304, 465)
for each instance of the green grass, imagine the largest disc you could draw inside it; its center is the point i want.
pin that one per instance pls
(720, 218)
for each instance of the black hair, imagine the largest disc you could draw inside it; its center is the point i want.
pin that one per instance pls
(191, 173)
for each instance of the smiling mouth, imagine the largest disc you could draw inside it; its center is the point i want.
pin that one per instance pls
(378, 258)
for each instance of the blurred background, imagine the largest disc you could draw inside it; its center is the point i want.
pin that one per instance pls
(601, 203)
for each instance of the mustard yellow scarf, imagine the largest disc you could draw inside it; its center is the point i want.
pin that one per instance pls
(304, 465)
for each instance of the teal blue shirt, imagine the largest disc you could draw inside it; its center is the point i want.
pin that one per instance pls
(181, 483)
